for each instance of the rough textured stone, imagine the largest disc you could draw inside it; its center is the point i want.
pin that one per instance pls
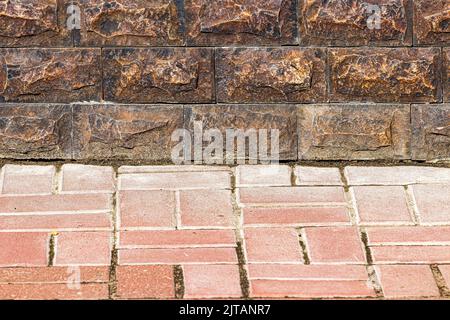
(247, 117)
(337, 132)
(431, 132)
(241, 22)
(270, 75)
(50, 75)
(446, 74)
(432, 22)
(131, 22)
(385, 75)
(158, 75)
(125, 131)
(35, 131)
(345, 22)
(33, 23)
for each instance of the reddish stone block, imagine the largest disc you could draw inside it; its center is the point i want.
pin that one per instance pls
(83, 178)
(350, 132)
(241, 22)
(23, 249)
(206, 208)
(345, 23)
(399, 281)
(147, 209)
(431, 22)
(18, 179)
(53, 274)
(317, 176)
(408, 235)
(270, 75)
(130, 23)
(334, 244)
(181, 75)
(54, 291)
(212, 281)
(383, 204)
(445, 270)
(271, 175)
(144, 282)
(273, 245)
(385, 75)
(83, 248)
(433, 202)
(446, 74)
(411, 254)
(50, 75)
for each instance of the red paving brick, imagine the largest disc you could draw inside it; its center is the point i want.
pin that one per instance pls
(334, 244)
(211, 281)
(140, 282)
(184, 216)
(401, 281)
(382, 204)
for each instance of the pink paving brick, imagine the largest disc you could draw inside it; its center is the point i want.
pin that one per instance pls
(176, 180)
(411, 254)
(334, 244)
(177, 238)
(273, 245)
(23, 249)
(140, 282)
(178, 256)
(53, 274)
(292, 195)
(83, 248)
(401, 281)
(147, 209)
(56, 203)
(445, 270)
(318, 176)
(408, 235)
(433, 202)
(382, 204)
(206, 208)
(87, 178)
(171, 169)
(263, 175)
(402, 175)
(56, 221)
(54, 291)
(310, 289)
(19, 179)
(211, 281)
(317, 216)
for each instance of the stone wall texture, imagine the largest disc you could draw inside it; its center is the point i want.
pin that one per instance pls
(340, 79)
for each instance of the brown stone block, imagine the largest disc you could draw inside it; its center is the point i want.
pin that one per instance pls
(270, 75)
(36, 131)
(138, 132)
(432, 22)
(345, 22)
(50, 75)
(249, 117)
(431, 132)
(446, 74)
(25, 23)
(184, 75)
(130, 23)
(354, 132)
(247, 22)
(385, 75)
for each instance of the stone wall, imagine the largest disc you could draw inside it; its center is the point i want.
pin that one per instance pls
(338, 85)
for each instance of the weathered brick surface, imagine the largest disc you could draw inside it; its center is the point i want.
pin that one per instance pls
(431, 132)
(270, 75)
(130, 23)
(249, 119)
(179, 75)
(124, 132)
(344, 23)
(385, 75)
(35, 132)
(26, 23)
(345, 132)
(244, 22)
(446, 74)
(50, 75)
(431, 22)
(18, 179)
(24, 249)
